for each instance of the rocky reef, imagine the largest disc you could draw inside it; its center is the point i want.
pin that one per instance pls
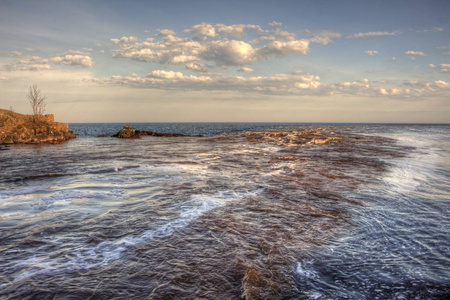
(129, 132)
(17, 128)
(295, 138)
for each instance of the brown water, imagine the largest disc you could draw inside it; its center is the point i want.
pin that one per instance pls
(218, 217)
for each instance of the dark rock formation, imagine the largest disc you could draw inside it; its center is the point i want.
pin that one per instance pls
(17, 128)
(129, 132)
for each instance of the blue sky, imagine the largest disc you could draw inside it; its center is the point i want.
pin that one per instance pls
(299, 61)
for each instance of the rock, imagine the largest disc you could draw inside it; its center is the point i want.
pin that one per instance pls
(295, 138)
(324, 141)
(251, 283)
(128, 132)
(17, 128)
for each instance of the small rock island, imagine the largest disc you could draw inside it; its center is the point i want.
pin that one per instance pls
(129, 132)
(17, 128)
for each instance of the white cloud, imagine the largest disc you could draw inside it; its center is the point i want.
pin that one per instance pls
(444, 47)
(360, 83)
(36, 63)
(166, 32)
(177, 76)
(33, 63)
(28, 67)
(284, 48)
(223, 52)
(76, 52)
(283, 34)
(295, 83)
(444, 68)
(196, 67)
(73, 60)
(371, 52)
(169, 49)
(195, 53)
(204, 29)
(373, 33)
(429, 86)
(273, 24)
(230, 52)
(391, 89)
(16, 53)
(308, 85)
(442, 84)
(415, 53)
(246, 70)
(291, 83)
(125, 40)
(432, 29)
(232, 30)
(226, 45)
(324, 37)
(237, 30)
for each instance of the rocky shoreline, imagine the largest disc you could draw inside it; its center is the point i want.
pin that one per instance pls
(17, 128)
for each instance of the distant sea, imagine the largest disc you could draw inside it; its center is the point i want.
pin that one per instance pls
(237, 212)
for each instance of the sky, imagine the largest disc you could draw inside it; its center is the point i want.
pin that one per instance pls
(229, 61)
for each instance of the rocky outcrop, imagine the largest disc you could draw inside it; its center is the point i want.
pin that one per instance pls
(129, 132)
(295, 138)
(17, 128)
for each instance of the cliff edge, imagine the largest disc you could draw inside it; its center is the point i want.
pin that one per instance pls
(17, 128)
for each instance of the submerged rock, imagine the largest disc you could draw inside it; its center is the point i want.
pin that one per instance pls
(26, 129)
(295, 138)
(324, 140)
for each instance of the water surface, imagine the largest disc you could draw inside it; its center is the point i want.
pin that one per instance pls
(248, 210)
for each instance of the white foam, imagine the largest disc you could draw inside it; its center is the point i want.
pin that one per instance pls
(408, 173)
(108, 251)
(22, 191)
(190, 211)
(305, 271)
(67, 196)
(314, 295)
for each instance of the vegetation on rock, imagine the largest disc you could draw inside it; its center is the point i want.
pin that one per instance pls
(18, 128)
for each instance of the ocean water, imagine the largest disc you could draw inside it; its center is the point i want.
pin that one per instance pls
(240, 212)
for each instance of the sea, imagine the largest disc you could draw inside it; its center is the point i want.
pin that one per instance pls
(244, 211)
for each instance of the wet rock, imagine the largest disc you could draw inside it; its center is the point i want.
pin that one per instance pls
(324, 141)
(251, 283)
(294, 138)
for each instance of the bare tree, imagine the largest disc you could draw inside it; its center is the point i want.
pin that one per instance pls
(37, 102)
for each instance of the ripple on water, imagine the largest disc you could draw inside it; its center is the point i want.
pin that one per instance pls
(261, 214)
